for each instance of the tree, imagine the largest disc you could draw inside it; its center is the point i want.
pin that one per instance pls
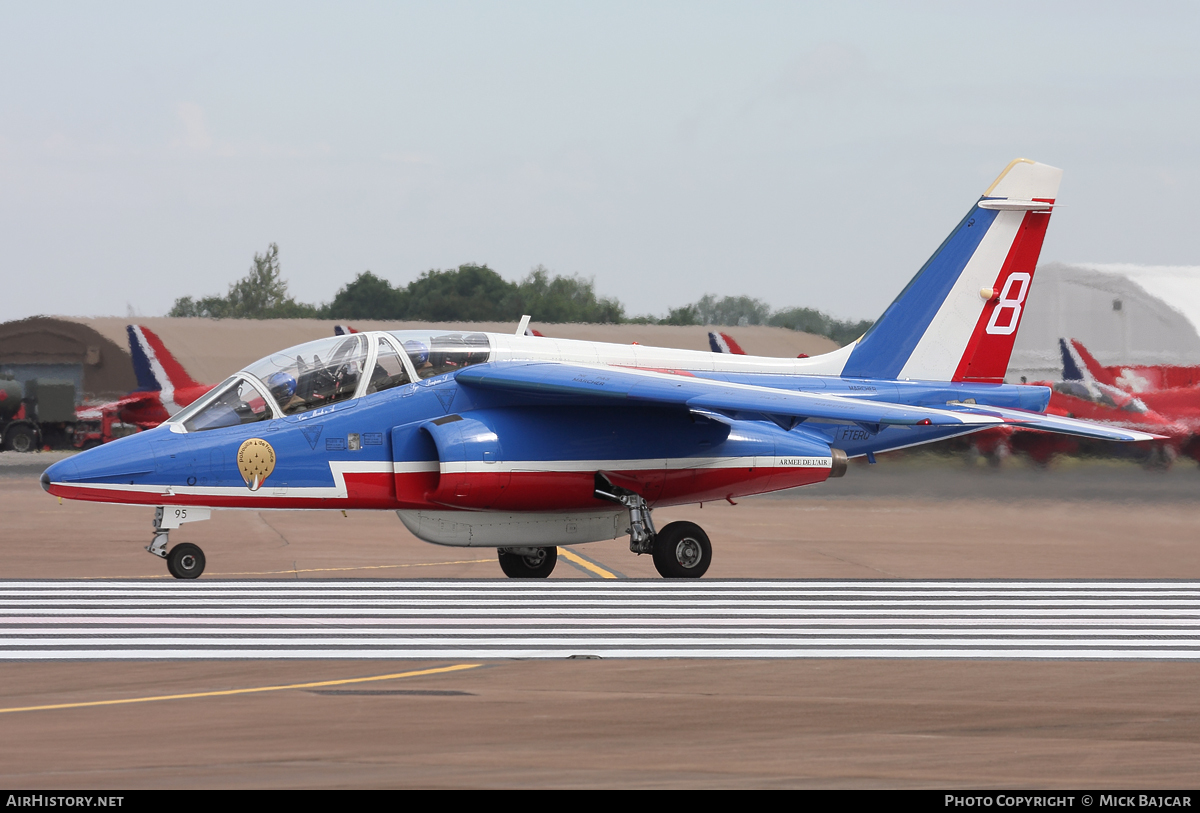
(261, 294)
(469, 293)
(685, 315)
(813, 321)
(732, 310)
(368, 297)
(744, 310)
(564, 299)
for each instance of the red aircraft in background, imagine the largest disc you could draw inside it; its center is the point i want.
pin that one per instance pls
(164, 388)
(1091, 391)
(1167, 388)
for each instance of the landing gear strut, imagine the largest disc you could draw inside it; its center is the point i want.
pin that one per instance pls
(184, 561)
(526, 563)
(641, 526)
(681, 550)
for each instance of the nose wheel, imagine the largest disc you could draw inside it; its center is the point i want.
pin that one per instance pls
(185, 561)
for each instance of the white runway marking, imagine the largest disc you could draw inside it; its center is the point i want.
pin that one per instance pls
(355, 619)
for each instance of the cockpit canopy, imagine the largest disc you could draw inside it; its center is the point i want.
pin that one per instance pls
(327, 371)
(1101, 394)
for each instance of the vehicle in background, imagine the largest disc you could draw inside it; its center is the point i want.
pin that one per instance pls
(40, 414)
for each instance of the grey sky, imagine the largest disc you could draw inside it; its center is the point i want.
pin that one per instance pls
(805, 154)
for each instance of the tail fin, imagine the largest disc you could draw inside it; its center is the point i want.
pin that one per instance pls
(1080, 355)
(1072, 367)
(724, 343)
(958, 317)
(155, 367)
(343, 330)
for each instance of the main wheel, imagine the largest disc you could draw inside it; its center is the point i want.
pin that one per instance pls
(536, 565)
(21, 438)
(682, 551)
(185, 561)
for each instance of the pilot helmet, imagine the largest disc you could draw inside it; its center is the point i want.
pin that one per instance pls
(281, 385)
(417, 351)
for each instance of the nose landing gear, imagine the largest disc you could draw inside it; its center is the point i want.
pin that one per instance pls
(184, 561)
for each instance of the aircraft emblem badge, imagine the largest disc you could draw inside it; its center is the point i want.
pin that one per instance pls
(256, 461)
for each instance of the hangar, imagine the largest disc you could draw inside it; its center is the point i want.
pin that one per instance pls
(68, 350)
(1123, 314)
(93, 352)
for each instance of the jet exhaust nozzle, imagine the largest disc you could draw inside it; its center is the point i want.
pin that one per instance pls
(840, 463)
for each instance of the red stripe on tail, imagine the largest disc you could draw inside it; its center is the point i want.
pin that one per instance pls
(988, 351)
(174, 370)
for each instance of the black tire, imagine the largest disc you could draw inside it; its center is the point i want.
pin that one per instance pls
(539, 566)
(682, 551)
(20, 438)
(185, 561)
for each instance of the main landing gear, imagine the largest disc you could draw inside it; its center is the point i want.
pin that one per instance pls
(184, 561)
(527, 563)
(681, 550)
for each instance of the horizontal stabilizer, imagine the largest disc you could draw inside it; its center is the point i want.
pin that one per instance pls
(605, 385)
(1017, 205)
(1055, 423)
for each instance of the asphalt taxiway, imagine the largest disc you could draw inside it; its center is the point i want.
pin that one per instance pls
(1116, 542)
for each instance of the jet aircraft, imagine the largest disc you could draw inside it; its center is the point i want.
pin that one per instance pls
(522, 444)
(164, 388)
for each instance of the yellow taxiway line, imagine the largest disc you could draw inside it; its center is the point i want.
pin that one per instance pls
(585, 563)
(301, 570)
(418, 673)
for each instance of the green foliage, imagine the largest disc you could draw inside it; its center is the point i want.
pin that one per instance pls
(732, 310)
(813, 321)
(685, 315)
(469, 293)
(368, 297)
(261, 294)
(476, 293)
(743, 310)
(564, 299)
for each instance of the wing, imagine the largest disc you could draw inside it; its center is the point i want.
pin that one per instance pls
(610, 385)
(1054, 423)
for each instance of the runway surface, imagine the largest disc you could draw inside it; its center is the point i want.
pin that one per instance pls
(210, 619)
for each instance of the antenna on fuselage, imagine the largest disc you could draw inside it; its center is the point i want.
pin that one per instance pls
(521, 328)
